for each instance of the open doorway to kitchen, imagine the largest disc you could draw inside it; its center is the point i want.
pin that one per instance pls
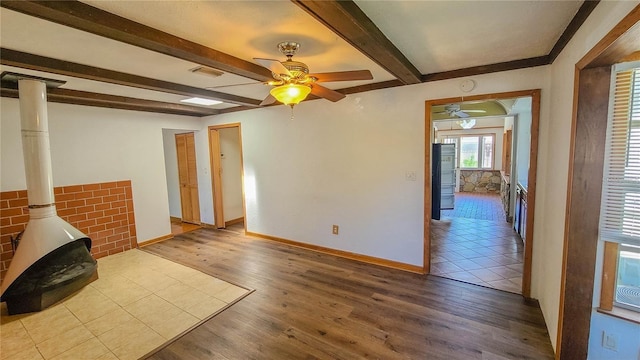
(483, 237)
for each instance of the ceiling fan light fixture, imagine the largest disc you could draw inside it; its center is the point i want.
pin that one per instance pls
(466, 123)
(290, 94)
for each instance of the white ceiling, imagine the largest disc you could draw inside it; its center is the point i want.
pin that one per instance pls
(440, 36)
(434, 36)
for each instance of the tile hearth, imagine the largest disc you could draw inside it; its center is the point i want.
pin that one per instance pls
(140, 302)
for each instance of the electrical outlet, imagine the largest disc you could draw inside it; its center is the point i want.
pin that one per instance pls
(609, 341)
(335, 229)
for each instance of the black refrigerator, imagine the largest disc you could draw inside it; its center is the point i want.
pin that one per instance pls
(443, 178)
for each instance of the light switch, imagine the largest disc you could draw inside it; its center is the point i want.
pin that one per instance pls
(609, 341)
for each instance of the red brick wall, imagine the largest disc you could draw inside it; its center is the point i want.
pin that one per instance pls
(104, 212)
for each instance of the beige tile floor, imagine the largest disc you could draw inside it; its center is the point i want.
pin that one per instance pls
(140, 302)
(467, 245)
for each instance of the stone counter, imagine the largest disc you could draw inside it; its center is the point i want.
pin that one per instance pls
(480, 181)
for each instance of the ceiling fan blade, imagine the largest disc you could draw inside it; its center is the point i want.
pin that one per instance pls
(321, 91)
(461, 114)
(268, 100)
(344, 75)
(475, 111)
(274, 65)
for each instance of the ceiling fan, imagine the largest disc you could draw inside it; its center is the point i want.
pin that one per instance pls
(292, 81)
(455, 110)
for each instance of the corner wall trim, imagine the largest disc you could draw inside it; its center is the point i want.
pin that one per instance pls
(155, 240)
(343, 254)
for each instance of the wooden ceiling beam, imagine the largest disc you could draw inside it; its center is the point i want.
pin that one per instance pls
(578, 19)
(345, 18)
(486, 69)
(349, 22)
(46, 64)
(87, 18)
(76, 97)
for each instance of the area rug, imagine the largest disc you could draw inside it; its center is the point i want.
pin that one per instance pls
(140, 303)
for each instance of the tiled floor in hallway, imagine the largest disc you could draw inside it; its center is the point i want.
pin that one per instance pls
(477, 250)
(476, 206)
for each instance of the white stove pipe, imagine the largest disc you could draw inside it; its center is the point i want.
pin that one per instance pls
(45, 231)
(35, 146)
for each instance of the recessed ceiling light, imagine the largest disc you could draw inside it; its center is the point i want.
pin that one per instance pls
(201, 101)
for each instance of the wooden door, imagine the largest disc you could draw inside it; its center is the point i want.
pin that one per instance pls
(188, 176)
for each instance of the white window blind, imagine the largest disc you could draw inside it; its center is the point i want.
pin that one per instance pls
(620, 207)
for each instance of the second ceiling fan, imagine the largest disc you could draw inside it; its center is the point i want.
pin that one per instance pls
(454, 110)
(293, 82)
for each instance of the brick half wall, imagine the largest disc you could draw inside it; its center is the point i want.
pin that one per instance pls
(104, 212)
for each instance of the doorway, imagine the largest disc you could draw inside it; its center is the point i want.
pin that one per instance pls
(225, 147)
(466, 234)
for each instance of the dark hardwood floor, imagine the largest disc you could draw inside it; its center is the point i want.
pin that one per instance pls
(309, 305)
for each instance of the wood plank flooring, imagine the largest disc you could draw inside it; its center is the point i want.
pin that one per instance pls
(309, 305)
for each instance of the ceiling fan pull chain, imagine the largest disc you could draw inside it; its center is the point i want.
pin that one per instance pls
(292, 112)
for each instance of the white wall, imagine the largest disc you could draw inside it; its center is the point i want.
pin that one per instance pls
(231, 164)
(344, 163)
(508, 123)
(555, 134)
(522, 133)
(337, 163)
(171, 171)
(90, 145)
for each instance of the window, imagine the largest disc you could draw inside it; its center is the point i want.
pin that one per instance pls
(620, 207)
(473, 151)
(627, 294)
